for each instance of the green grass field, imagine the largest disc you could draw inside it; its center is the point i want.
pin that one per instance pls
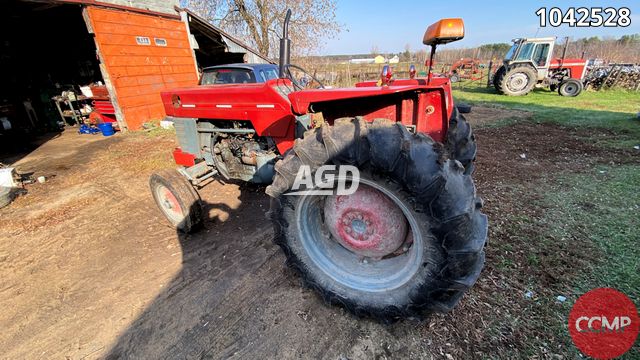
(605, 205)
(598, 212)
(611, 109)
(595, 210)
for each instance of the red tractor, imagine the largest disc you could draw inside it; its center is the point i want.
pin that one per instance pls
(408, 240)
(529, 62)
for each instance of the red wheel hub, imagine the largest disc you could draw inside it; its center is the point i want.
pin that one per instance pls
(366, 222)
(169, 202)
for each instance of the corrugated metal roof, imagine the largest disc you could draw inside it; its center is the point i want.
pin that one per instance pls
(252, 58)
(232, 43)
(109, 5)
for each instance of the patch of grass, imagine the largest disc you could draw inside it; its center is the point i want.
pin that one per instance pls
(604, 208)
(611, 109)
(625, 143)
(152, 129)
(567, 233)
(533, 259)
(158, 131)
(583, 235)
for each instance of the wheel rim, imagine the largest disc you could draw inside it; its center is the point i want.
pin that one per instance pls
(352, 268)
(570, 88)
(169, 204)
(367, 222)
(517, 82)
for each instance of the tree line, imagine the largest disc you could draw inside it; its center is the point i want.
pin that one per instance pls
(625, 49)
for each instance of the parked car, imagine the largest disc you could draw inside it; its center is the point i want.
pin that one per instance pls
(238, 74)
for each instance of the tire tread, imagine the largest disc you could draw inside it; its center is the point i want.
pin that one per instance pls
(436, 185)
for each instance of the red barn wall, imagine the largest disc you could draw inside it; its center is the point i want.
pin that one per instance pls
(139, 72)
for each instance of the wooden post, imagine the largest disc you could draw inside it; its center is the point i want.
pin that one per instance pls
(615, 81)
(489, 73)
(185, 19)
(604, 82)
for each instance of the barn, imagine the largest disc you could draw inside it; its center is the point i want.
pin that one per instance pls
(61, 60)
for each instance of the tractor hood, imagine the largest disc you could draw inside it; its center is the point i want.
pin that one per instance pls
(302, 101)
(215, 101)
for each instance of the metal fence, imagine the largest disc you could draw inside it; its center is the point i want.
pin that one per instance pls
(601, 77)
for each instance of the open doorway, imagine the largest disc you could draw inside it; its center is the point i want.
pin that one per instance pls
(45, 50)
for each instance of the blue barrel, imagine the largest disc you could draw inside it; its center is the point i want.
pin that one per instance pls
(106, 128)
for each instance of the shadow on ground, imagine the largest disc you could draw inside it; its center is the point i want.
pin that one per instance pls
(234, 297)
(15, 146)
(190, 317)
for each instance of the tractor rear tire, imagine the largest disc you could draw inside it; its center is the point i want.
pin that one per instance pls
(176, 198)
(570, 87)
(496, 77)
(442, 254)
(518, 80)
(461, 143)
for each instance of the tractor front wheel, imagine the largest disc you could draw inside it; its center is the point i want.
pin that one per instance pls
(570, 87)
(176, 198)
(409, 240)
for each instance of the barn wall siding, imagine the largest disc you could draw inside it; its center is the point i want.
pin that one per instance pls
(139, 72)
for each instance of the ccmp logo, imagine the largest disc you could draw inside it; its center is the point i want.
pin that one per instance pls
(604, 323)
(598, 324)
(328, 180)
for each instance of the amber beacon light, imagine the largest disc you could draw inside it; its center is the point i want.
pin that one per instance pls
(444, 31)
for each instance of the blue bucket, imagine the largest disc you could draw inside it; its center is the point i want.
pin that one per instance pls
(106, 128)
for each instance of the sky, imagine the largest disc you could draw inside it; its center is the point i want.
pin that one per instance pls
(390, 25)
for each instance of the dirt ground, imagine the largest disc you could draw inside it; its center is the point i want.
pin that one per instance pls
(89, 268)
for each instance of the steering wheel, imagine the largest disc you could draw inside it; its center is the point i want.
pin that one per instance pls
(305, 81)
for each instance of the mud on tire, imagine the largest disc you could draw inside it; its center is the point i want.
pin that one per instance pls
(460, 142)
(436, 196)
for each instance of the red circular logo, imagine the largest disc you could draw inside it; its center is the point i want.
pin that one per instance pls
(604, 323)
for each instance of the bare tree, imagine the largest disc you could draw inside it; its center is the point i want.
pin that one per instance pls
(208, 9)
(259, 22)
(406, 55)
